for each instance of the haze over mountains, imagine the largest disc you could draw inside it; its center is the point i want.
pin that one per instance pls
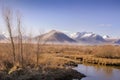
(58, 37)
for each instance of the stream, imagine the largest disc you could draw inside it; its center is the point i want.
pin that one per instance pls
(95, 72)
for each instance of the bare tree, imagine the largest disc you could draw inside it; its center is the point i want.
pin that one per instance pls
(38, 50)
(7, 13)
(20, 40)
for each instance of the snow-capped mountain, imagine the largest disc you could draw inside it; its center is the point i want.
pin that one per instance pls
(88, 37)
(78, 34)
(106, 37)
(55, 37)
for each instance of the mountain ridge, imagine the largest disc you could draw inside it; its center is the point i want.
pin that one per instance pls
(55, 36)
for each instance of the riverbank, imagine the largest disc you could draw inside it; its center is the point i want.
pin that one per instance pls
(90, 59)
(38, 73)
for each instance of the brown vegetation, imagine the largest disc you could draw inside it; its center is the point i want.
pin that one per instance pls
(108, 51)
(59, 55)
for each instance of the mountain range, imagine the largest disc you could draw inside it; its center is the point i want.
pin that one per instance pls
(88, 37)
(58, 37)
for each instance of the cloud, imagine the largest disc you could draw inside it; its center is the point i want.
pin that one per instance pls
(105, 25)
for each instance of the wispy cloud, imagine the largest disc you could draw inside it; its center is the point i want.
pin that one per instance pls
(105, 25)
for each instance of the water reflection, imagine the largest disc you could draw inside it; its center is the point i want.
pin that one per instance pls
(97, 72)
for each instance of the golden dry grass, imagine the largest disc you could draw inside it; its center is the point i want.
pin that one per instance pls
(58, 55)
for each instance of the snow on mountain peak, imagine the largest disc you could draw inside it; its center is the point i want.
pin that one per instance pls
(74, 35)
(81, 34)
(87, 35)
(106, 37)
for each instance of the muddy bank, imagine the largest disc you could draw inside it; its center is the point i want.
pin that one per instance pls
(39, 74)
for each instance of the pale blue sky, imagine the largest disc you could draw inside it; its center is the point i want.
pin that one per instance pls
(99, 16)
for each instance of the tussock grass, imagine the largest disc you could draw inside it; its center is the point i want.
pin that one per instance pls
(108, 51)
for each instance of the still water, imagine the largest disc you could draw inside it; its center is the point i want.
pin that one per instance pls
(98, 72)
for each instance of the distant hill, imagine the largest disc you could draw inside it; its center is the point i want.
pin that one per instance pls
(55, 37)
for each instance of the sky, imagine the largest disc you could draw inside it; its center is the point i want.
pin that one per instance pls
(98, 16)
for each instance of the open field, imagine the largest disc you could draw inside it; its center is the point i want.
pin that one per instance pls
(58, 55)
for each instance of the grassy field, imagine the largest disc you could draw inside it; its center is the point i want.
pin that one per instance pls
(58, 55)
